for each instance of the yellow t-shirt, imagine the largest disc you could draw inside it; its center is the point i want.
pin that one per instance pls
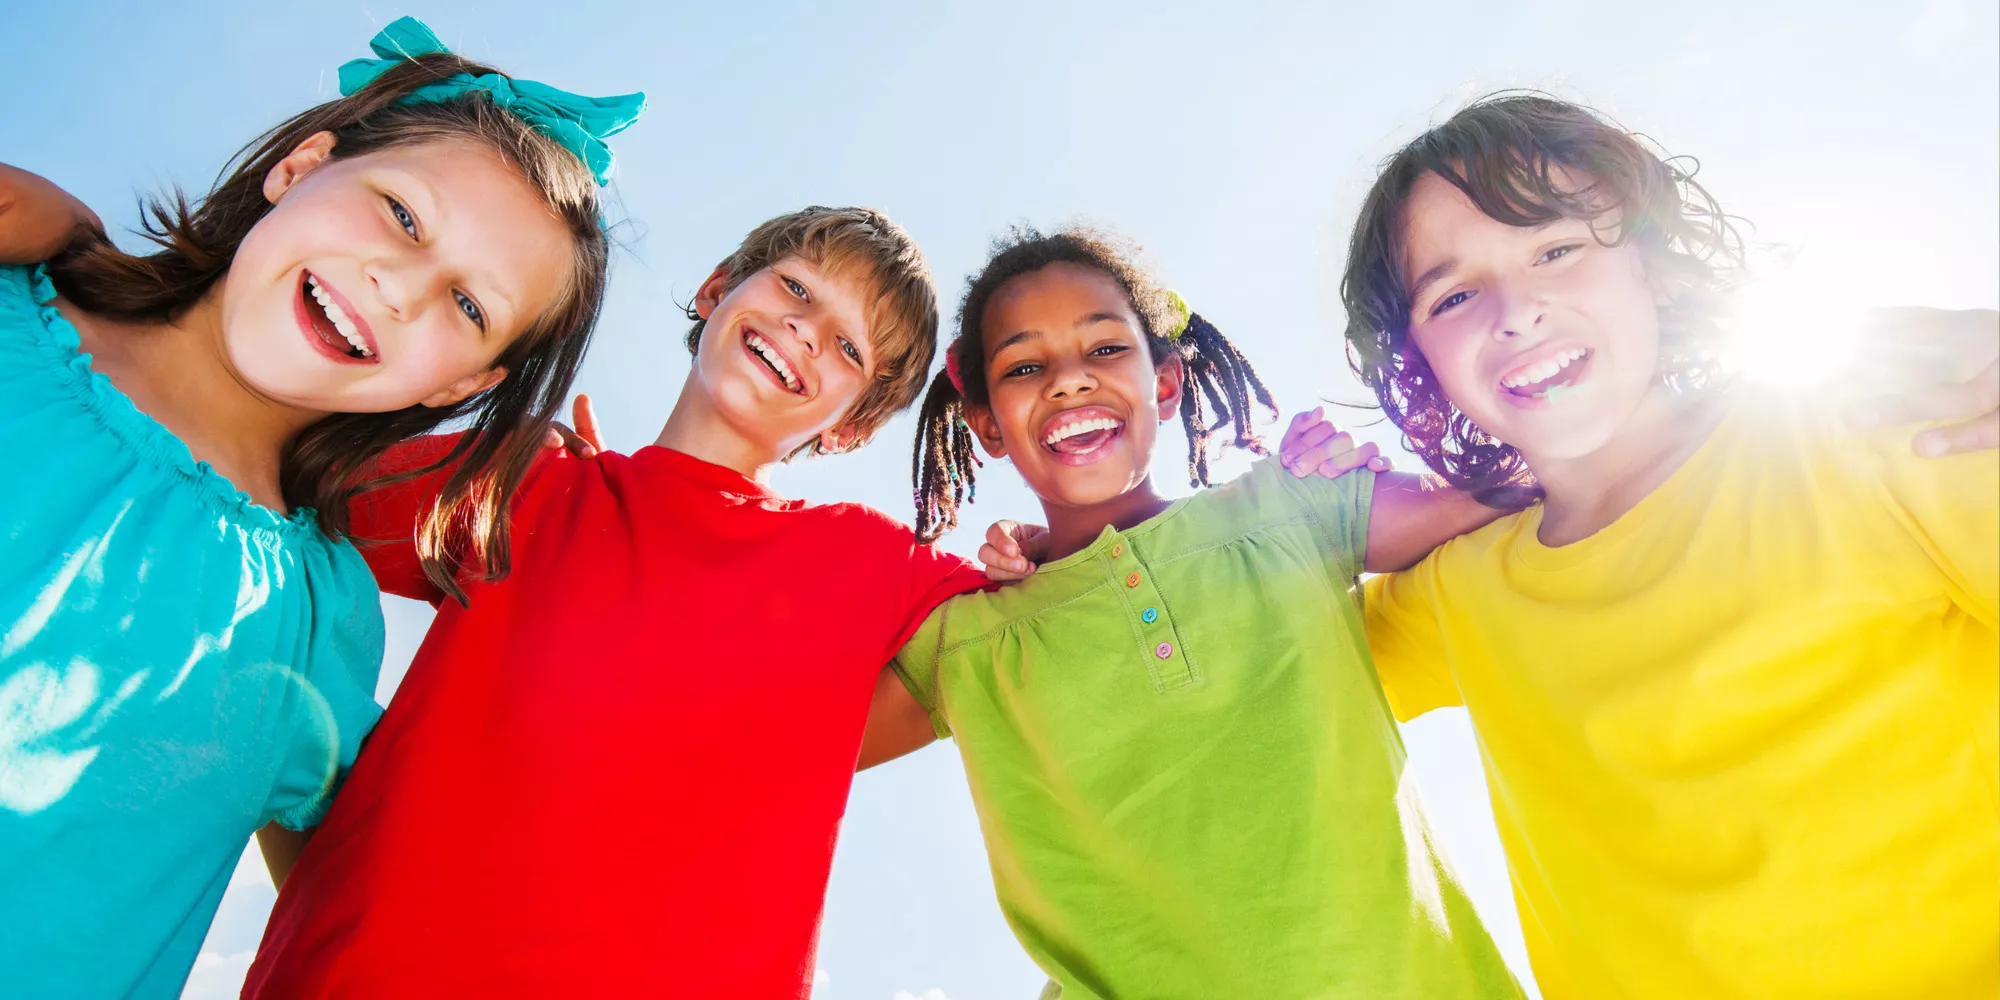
(1742, 742)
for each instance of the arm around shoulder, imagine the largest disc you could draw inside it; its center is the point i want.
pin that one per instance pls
(37, 218)
(1410, 515)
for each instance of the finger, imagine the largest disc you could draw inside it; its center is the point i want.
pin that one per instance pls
(1311, 437)
(1380, 463)
(586, 423)
(1011, 567)
(1001, 536)
(1980, 434)
(1336, 446)
(552, 438)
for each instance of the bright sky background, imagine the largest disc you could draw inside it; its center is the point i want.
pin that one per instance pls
(1233, 143)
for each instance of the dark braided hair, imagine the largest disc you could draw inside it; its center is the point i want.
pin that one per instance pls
(1218, 377)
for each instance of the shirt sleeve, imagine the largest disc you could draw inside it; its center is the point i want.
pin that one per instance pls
(383, 522)
(1406, 640)
(1340, 509)
(1951, 507)
(332, 700)
(917, 663)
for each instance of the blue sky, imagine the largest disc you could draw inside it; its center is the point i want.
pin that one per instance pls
(1234, 144)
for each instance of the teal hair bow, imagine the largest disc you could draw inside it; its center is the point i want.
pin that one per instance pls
(580, 124)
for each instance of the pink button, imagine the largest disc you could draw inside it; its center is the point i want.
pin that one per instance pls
(1163, 650)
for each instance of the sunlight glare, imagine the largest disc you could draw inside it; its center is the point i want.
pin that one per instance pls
(1794, 327)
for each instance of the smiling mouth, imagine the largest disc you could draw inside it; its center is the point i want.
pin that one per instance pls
(1549, 378)
(1083, 439)
(768, 355)
(334, 327)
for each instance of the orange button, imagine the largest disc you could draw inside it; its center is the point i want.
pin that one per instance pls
(1131, 579)
(1117, 549)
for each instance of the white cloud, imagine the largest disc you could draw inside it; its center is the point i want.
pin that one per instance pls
(930, 994)
(217, 976)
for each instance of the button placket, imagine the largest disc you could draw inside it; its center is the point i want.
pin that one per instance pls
(1160, 647)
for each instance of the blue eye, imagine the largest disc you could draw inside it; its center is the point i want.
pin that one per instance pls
(795, 288)
(1557, 253)
(403, 217)
(853, 353)
(470, 309)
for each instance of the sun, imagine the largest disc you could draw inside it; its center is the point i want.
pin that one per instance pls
(1795, 327)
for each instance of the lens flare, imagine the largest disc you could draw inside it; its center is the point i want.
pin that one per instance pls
(1795, 327)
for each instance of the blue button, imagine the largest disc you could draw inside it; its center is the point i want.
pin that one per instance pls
(1150, 615)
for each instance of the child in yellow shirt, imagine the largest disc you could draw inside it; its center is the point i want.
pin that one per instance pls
(1732, 665)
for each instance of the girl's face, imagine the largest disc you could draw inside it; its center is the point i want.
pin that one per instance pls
(1544, 337)
(380, 281)
(1074, 396)
(786, 353)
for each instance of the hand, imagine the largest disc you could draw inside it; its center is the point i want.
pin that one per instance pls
(585, 441)
(1932, 364)
(1012, 549)
(38, 219)
(1313, 444)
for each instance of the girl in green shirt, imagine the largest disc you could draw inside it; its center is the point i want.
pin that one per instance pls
(1187, 777)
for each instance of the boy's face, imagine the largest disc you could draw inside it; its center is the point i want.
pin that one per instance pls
(786, 353)
(1074, 397)
(1546, 338)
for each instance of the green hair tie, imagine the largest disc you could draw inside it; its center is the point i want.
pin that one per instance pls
(1179, 307)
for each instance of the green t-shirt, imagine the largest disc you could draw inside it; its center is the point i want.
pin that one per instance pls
(1188, 778)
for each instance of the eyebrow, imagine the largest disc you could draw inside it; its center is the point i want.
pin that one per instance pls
(1431, 277)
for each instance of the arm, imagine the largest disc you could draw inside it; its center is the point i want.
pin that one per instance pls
(1926, 365)
(1411, 515)
(37, 218)
(281, 849)
(897, 724)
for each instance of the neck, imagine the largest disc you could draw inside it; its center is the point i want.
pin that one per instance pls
(1585, 494)
(178, 372)
(697, 429)
(1072, 529)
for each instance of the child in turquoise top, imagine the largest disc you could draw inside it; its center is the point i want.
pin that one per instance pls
(188, 644)
(1185, 772)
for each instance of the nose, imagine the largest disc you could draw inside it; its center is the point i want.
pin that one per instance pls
(1067, 378)
(805, 330)
(404, 285)
(1522, 311)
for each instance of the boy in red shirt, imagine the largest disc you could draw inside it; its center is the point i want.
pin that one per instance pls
(560, 800)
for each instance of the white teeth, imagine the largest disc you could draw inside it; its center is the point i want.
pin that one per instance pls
(774, 359)
(341, 323)
(1543, 370)
(1080, 427)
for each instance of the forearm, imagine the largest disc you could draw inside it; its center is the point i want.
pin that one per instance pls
(1410, 515)
(281, 849)
(37, 218)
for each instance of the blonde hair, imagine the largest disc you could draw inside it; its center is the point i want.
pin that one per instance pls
(902, 316)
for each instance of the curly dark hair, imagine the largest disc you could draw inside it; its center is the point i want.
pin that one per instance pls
(1507, 152)
(1218, 376)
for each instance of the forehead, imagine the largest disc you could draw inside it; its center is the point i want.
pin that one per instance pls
(1438, 221)
(1053, 299)
(484, 217)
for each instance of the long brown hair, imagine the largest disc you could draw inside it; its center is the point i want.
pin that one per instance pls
(331, 462)
(1503, 151)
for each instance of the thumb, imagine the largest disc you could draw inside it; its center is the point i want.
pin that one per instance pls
(586, 422)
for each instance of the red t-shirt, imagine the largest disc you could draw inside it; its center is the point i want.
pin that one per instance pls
(621, 771)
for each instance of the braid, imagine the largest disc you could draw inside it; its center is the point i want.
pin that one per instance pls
(943, 465)
(1219, 374)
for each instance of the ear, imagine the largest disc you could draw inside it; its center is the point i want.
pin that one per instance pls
(711, 292)
(985, 428)
(471, 385)
(835, 440)
(1168, 380)
(297, 164)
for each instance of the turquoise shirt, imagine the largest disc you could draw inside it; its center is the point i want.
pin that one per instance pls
(178, 667)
